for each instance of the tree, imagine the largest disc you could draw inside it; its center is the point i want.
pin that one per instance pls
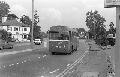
(37, 32)
(36, 28)
(11, 17)
(97, 29)
(4, 35)
(112, 30)
(36, 18)
(26, 20)
(4, 9)
(94, 21)
(81, 32)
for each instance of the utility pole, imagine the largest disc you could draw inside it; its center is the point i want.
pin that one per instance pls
(32, 21)
(94, 29)
(110, 4)
(117, 46)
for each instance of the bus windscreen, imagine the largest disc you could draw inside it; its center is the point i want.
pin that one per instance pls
(58, 36)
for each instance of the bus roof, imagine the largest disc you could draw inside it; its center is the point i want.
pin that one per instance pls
(62, 28)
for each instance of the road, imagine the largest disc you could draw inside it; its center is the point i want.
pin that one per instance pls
(40, 63)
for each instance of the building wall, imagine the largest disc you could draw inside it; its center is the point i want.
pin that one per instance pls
(18, 32)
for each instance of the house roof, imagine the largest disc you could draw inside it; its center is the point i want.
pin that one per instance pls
(13, 23)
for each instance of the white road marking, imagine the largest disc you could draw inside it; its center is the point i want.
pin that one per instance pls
(79, 60)
(17, 63)
(24, 60)
(54, 71)
(12, 64)
(15, 52)
(39, 57)
(68, 64)
(44, 55)
(3, 66)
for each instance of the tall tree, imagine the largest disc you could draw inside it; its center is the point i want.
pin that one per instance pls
(36, 28)
(94, 21)
(4, 35)
(36, 32)
(112, 29)
(36, 18)
(4, 9)
(26, 20)
(11, 17)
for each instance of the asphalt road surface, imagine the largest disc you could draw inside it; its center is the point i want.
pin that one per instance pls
(38, 63)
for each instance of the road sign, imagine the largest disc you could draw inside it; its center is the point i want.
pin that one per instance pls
(111, 3)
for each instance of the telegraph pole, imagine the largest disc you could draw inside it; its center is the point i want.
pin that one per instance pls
(117, 46)
(32, 21)
(110, 4)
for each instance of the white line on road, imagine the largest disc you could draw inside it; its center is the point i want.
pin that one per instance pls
(54, 71)
(44, 55)
(79, 60)
(14, 52)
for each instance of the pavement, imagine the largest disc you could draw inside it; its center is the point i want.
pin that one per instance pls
(107, 50)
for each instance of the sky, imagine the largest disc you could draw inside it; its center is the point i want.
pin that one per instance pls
(70, 13)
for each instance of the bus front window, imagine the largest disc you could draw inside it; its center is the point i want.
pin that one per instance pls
(53, 35)
(64, 37)
(58, 36)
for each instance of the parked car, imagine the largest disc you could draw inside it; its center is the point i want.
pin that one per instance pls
(37, 41)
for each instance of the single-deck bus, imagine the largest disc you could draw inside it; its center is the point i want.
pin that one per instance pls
(62, 39)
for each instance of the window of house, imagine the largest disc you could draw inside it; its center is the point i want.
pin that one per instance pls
(15, 29)
(25, 36)
(25, 29)
(19, 28)
(9, 28)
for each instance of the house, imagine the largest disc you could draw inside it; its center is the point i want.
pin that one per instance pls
(18, 30)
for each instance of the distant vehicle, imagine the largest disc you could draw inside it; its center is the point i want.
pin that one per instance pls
(37, 41)
(62, 39)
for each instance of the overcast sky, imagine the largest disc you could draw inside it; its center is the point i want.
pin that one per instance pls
(62, 12)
